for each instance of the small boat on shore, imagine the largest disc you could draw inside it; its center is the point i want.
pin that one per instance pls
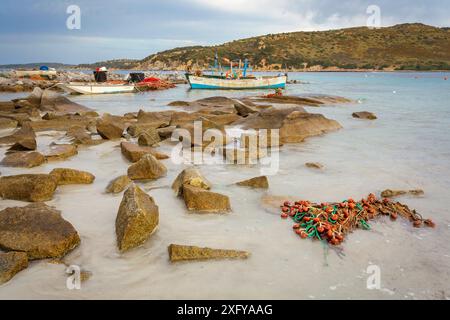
(96, 88)
(100, 86)
(44, 72)
(133, 82)
(234, 78)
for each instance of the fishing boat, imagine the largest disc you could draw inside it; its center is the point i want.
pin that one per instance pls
(100, 86)
(209, 82)
(96, 88)
(234, 78)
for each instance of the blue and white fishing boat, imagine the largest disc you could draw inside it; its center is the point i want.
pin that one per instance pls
(234, 78)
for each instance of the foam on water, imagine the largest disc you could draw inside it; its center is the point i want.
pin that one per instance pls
(408, 147)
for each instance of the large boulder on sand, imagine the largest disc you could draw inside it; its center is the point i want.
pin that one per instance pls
(118, 184)
(10, 264)
(257, 182)
(28, 187)
(71, 176)
(190, 176)
(23, 159)
(134, 152)
(148, 167)
(38, 230)
(201, 200)
(137, 218)
(185, 253)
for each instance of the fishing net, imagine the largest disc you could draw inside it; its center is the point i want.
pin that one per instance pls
(333, 221)
(153, 83)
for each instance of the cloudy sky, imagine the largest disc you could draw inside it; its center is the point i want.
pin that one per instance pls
(36, 31)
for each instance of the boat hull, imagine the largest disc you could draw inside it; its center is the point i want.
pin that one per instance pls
(236, 84)
(96, 88)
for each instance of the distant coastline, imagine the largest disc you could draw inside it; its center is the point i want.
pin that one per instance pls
(322, 70)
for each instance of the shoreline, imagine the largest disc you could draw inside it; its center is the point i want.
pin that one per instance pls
(329, 70)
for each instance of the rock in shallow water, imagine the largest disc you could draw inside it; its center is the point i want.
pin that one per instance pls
(137, 218)
(257, 182)
(242, 109)
(299, 125)
(194, 188)
(148, 167)
(6, 123)
(28, 187)
(190, 176)
(134, 152)
(388, 193)
(118, 184)
(23, 159)
(38, 230)
(200, 200)
(71, 176)
(314, 165)
(10, 264)
(295, 124)
(185, 253)
(364, 115)
(79, 135)
(109, 130)
(23, 139)
(60, 152)
(149, 138)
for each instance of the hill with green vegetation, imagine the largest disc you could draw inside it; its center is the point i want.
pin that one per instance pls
(412, 46)
(112, 64)
(400, 47)
(37, 65)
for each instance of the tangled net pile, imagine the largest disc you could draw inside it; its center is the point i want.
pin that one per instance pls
(333, 221)
(153, 83)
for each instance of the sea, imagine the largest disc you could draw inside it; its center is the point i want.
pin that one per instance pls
(407, 147)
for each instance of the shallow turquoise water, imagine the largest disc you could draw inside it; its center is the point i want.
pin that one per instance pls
(407, 147)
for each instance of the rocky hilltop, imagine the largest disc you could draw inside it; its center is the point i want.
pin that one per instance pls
(400, 47)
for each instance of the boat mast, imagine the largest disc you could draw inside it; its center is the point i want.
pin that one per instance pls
(245, 67)
(216, 62)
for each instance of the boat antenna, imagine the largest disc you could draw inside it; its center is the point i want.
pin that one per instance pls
(216, 61)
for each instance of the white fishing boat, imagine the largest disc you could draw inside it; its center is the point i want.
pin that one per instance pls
(233, 77)
(96, 88)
